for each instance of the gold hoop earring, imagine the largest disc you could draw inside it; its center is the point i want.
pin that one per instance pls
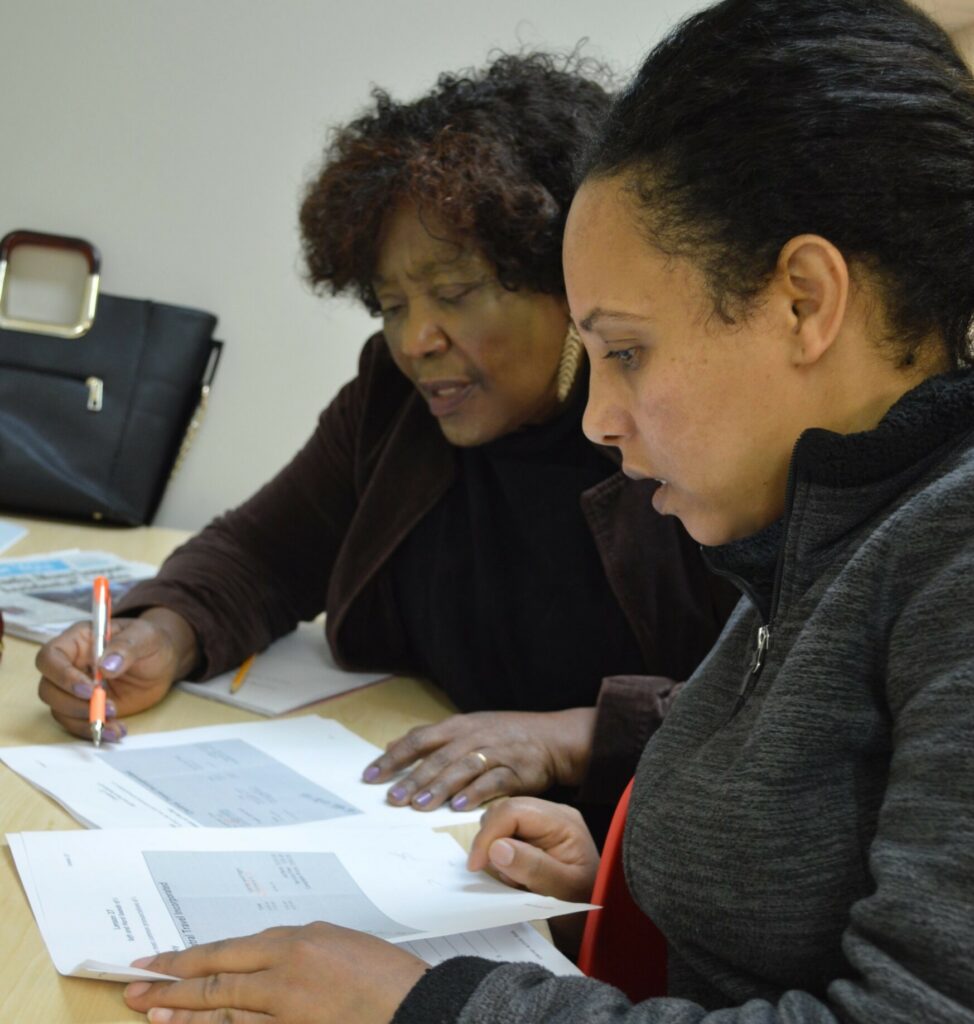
(568, 364)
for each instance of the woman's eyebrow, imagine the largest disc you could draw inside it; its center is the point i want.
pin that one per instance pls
(598, 315)
(463, 263)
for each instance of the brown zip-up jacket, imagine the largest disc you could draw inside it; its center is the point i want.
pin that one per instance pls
(318, 536)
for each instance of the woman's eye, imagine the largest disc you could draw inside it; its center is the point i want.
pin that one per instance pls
(390, 312)
(456, 295)
(629, 357)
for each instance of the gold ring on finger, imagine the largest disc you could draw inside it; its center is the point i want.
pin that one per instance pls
(483, 759)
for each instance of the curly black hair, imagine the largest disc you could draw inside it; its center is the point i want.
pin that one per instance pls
(493, 154)
(759, 120)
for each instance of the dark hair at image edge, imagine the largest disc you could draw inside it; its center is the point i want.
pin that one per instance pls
(759, 120)
(491, 153)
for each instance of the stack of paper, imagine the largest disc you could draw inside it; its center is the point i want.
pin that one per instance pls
(204, 871)
(170, 889)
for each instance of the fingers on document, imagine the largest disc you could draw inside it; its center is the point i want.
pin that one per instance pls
(499, 821)
(536, 845)
(456, 772)
(406, 750)
(542, 823)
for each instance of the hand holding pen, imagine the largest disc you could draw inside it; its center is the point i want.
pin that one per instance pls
(137, 666)
(101, 616)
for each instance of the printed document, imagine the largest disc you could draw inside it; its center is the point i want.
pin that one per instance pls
(44, 594)
(291, 771)
(113, 896)
(294, 671)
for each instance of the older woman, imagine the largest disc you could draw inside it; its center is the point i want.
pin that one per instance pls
(770, 264)
(447, 513)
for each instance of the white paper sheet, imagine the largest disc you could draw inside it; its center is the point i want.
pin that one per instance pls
(113, 896)
(284, 772)
(516, 942)
(294, 671)
(10, 533)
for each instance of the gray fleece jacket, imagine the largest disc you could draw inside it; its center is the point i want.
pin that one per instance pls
(802, 827)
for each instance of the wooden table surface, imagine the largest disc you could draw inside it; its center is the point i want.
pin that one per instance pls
(31, 990)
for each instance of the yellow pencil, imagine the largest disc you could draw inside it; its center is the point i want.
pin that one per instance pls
(238, 679)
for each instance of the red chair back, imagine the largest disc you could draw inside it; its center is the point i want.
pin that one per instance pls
(620, 945)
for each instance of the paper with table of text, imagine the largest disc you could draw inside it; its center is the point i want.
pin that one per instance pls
(170, 889)
(292, 771)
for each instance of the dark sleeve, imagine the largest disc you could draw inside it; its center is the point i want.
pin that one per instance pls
(255, 572)
(437, 997)
(628, 711)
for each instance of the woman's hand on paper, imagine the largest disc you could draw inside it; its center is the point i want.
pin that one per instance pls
(142, 660)
(468, 759)
(314, 974)
(537, 845)
(545, 848)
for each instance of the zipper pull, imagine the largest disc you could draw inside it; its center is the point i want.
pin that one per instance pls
(764, 642)
(96, 390)
(757, 663)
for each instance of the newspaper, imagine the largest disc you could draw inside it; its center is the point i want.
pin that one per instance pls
(44, 594)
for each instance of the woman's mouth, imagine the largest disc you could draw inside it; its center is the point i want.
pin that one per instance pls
(445, 396)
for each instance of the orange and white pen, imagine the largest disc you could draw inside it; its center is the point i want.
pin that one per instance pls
(101, 625)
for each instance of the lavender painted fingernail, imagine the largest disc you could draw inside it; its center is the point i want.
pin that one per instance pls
(110, 709)
(423, 799)
(371, 773)
(398, 793)
(459, 802)
(116, 731)
(111, 662)
(82, 690)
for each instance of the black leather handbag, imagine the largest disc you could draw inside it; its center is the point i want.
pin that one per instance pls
(95, 415)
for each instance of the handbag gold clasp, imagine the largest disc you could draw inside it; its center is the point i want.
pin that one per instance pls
(89, 297)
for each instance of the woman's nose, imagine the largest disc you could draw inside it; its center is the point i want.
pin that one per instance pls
(423, 337)
(603, 422)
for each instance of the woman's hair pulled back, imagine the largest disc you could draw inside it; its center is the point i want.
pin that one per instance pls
(491, 154)
(759, 120)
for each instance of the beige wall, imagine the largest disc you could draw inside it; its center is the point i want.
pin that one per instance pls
(964, 41)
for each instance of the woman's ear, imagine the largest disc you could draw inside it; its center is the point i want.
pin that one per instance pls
(815, 279)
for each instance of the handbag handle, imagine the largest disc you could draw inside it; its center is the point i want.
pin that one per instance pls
(89, 298)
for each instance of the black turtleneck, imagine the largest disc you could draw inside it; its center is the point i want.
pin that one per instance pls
(538, 626)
